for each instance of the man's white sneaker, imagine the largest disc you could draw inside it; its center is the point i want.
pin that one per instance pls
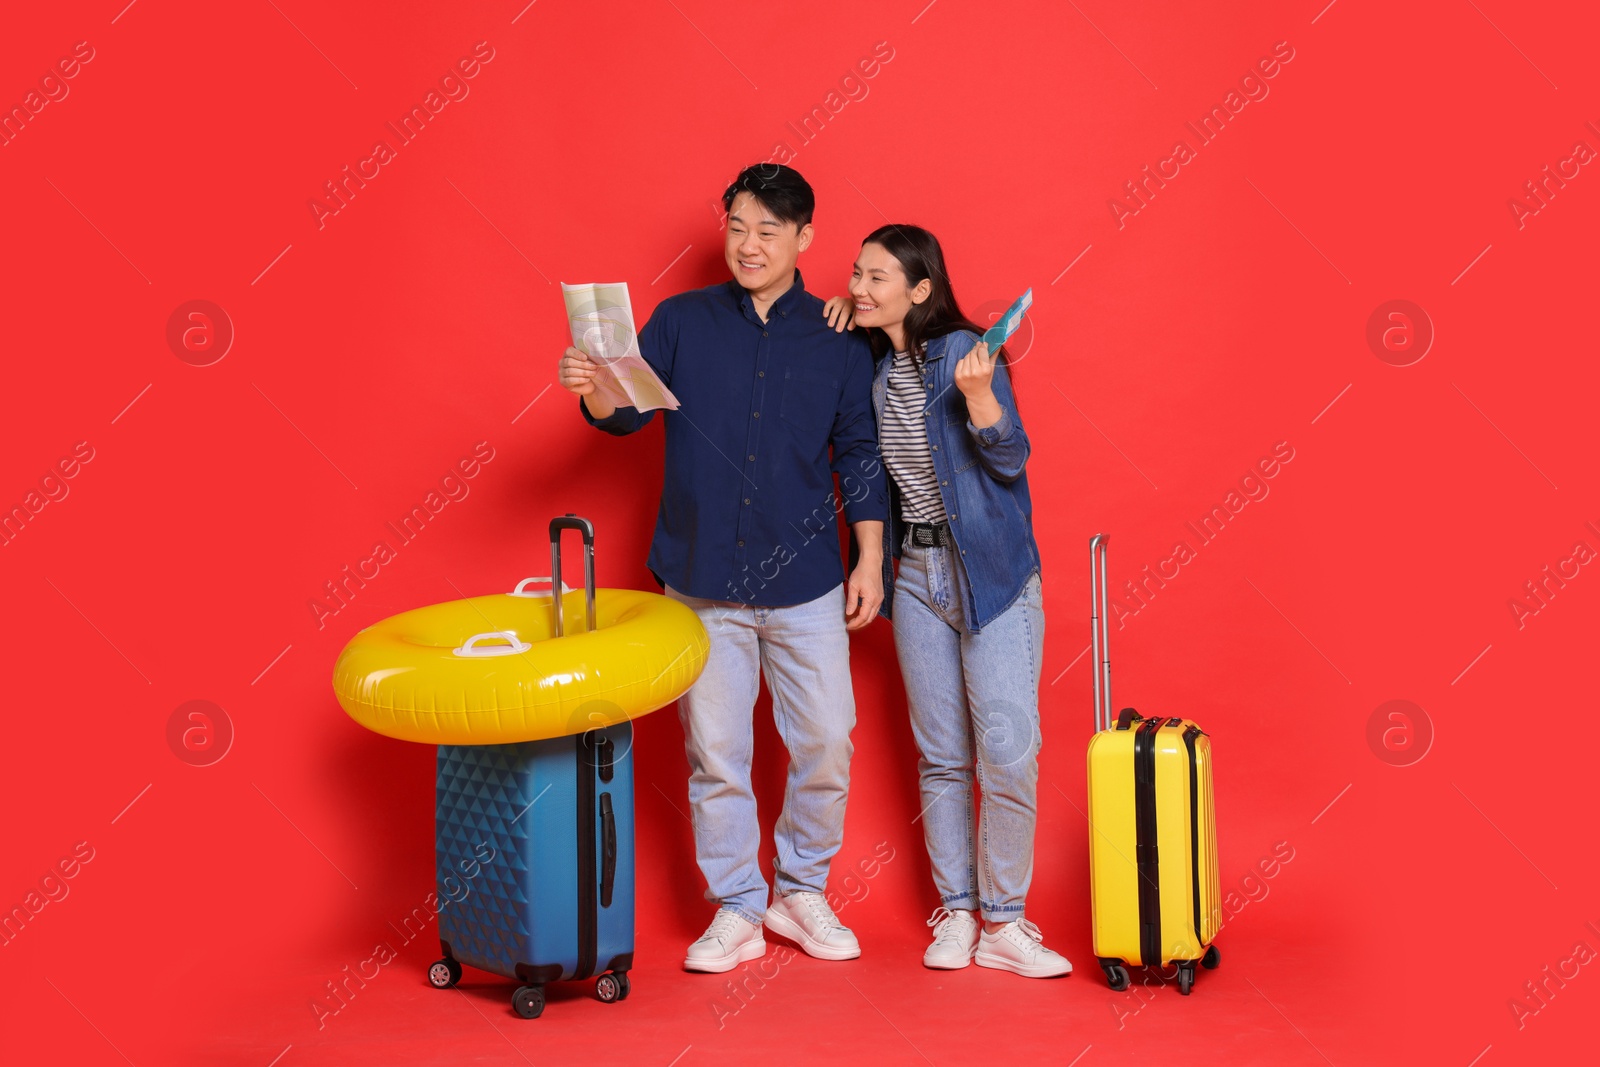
(955, 936)
(806, 919)
(728, 941)
(1018, 947)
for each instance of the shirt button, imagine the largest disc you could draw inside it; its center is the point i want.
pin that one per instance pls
(751, 458)
(941, 483)
(755, 415)
(763, 333)
(761, 374)
(747, 500)
(741, 544)
(936, 448)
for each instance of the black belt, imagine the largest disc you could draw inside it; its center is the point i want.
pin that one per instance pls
(929, 535)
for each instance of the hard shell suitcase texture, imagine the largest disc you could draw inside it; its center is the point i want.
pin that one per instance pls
(534, 851)
(1155, 886)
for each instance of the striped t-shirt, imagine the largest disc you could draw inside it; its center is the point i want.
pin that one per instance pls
(903, 440)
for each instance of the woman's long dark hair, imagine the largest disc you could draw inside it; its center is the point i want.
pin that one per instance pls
(921, 257)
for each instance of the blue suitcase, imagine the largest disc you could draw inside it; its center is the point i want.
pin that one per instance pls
(534, 855)
(535, 862)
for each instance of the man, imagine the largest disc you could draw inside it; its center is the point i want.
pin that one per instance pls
(747, 536)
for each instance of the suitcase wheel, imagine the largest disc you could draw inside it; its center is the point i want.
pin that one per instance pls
(528, 1001)
(1185, 977)
(444, 974)
(1211, 958)
(1116, 975)
(611, 988)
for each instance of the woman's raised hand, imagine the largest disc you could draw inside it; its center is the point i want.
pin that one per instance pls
(975, 371)
(840, 312)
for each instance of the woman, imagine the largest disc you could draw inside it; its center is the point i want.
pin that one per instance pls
(967, 606)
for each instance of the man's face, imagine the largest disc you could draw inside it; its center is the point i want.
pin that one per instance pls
(761, 251)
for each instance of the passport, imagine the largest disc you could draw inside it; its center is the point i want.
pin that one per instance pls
(1001, 331)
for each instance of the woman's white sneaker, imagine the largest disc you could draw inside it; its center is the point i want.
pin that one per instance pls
(1018, 947)
(729, 941)
(806, 919)
(955, 936)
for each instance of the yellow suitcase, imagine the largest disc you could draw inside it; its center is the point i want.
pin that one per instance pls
(1154, 886)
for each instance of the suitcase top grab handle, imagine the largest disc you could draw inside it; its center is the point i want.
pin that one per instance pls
(1100, 634)
(570, 521)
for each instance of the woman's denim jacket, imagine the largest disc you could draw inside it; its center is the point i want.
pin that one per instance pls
(981, 481)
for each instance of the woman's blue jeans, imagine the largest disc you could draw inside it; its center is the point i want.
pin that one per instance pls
(974, 702)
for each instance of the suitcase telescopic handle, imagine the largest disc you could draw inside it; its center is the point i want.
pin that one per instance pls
(570, 521)
(1100, 633)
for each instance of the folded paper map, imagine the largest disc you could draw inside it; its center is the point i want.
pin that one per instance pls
(601, 317)
(1001, 331)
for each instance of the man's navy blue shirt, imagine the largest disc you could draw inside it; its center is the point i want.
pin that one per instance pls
(748, 506)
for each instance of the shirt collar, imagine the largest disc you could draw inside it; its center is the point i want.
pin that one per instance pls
(781, 306)
(936, 346)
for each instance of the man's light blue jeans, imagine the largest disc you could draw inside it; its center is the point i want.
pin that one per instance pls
(804, 653)
(974, 702)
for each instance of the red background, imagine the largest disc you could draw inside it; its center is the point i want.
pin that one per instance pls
(373, 352)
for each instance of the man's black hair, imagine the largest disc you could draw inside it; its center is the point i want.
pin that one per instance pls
(780, 190)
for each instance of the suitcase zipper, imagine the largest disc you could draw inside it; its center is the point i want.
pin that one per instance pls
(1189, 736)
(587, 877)
(1144, 802)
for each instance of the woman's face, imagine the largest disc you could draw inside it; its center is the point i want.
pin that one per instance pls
(878, 287)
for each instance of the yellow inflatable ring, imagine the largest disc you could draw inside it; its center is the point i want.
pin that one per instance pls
(489, 670)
